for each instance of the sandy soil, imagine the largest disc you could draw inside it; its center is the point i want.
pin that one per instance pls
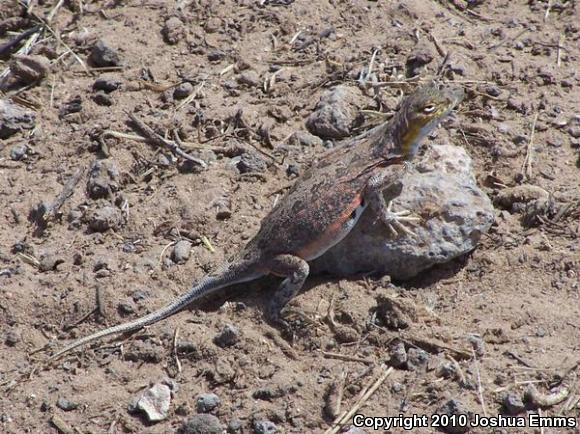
(492, 323)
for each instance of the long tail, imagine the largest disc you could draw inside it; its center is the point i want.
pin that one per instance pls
(228, 275)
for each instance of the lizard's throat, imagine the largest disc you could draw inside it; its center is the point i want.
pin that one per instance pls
(412, 137)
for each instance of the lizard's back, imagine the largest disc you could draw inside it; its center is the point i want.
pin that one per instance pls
(323, 204)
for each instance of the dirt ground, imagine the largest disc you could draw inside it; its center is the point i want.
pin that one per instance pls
(479, 330)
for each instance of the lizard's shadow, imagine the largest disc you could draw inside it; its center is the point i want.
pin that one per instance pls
(258, 293)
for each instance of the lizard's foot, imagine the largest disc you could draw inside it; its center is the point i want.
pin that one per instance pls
(396, 220)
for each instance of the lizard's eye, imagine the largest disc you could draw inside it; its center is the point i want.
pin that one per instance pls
(430, 108)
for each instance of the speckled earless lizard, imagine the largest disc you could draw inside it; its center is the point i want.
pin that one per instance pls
(320, 209)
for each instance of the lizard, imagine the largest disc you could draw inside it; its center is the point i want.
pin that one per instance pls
(319, 210)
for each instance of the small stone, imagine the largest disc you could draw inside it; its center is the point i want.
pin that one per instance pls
(477, 344)
(183, 90)
(103, 99)
(335, 114)
(106, 84)
(304, 138)
(416, 61)
(181, 251)
(452, 408)
(250, 162)
(493, 90)
(216, 55)
(265, 427)
(102, 180)
(574, 131)
(213, 24)
(18, 152)
(11, 338)
(207, 402)
(49, 262)
(293, 170)
(127, 307)
(154, 402)
(446, 370)
(66, 405)
(417, 359)
(354, 430)
(173, 30)
(105, 218)
(249, 78)
(234, 426)
(230, 335)
(555, 142)
(398, 354)
(513, 403)
(201, 424)
(29, 68)
(102, 55)
(14, 118)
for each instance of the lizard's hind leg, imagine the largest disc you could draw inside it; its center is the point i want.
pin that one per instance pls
(295, 270)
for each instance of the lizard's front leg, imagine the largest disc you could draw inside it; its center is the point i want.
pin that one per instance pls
(389, 181)
(295, 270)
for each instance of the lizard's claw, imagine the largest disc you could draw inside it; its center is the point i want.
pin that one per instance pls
(396, 220)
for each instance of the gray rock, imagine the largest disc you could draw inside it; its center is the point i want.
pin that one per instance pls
(181, 251)
(102, 55)
(201, 424)
(230, 335)
(103, 99)
(234, 426)
(417, 360)
(11, 338)
(18, 152)
(102, 179)
(173, 30)
(249, 78)
(455, 214)
(250, 162)
(14, 118)
(183, 90)
(265, 427)
(29, 68)
(304, 138)
(451, 408)
(335, 114)
(513, 403)
(206, 402)
(105, 218)
(154, 402)
(66, 405)
(106, 84)
(354, 430)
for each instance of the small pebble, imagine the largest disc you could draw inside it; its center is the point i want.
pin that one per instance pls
(103, 99)
(154, 402)
(513, 403)
(11, 338)
(230, 335)
(181, 251)
(183, 90)
(18, 152)
(106, 84)
(66, 405)
(102, 55)
(417, 359)
(234, 426)
(201, 424)
(249, 78)
(207, 402)
(265, 427)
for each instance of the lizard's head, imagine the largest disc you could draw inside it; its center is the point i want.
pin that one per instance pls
(422, 111)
